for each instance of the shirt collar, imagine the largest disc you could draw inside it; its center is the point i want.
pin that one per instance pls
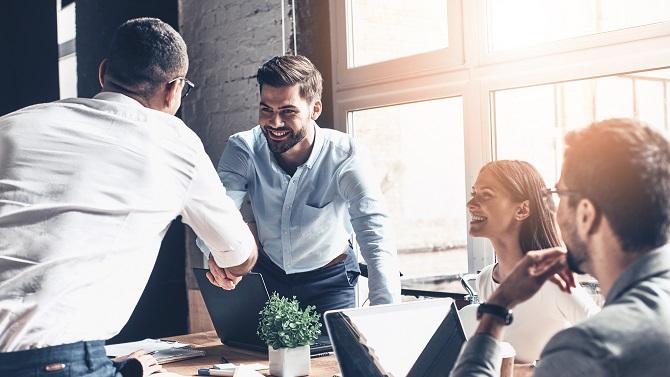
(316, 148)
(117, 97)
(652, 263)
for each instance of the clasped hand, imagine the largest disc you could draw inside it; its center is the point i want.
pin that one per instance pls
(221, 277)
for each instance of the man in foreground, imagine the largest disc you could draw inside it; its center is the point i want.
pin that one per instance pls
(88, 188)
(614, 215)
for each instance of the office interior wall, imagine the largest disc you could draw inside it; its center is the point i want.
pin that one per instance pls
(313, 41)
(29, 59)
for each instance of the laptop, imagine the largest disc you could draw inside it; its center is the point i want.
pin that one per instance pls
(414, 339)
(235, 313)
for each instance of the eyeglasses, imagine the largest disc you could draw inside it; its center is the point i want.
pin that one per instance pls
(188, 85)
(554, 194)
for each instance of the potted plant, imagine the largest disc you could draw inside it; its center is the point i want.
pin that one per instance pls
(288, 332)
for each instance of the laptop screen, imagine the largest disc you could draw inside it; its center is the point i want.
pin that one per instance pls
(421, 338)
(235, 313)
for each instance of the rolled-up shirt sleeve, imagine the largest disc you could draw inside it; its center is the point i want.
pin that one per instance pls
(372, 226)
(233, 170)
(215, 218)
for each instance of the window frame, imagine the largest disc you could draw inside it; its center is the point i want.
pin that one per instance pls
(425, 63)
(476, 73)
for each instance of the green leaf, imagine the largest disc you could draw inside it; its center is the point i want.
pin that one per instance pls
(283, 324)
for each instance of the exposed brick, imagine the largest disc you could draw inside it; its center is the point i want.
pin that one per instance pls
(227, 41)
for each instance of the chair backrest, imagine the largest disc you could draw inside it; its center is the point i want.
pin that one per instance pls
(468, 283)
(468, 316)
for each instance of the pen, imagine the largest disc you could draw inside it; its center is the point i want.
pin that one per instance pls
(216, 372)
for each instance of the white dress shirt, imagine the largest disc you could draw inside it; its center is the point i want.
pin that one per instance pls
(88, 188)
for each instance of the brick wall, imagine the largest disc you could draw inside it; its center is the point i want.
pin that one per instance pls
(227, 41)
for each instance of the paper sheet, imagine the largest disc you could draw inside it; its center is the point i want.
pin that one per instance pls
(148, 345)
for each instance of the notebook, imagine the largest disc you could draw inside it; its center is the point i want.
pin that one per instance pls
(414, 339)
(235, 313)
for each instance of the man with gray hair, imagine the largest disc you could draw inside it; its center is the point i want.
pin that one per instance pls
(88, 188)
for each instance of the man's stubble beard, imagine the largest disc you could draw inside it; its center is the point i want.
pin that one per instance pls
(577, 253)
(283, 146)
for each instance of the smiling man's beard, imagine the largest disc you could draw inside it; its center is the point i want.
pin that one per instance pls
(279, 147)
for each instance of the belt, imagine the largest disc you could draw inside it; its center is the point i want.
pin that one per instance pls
(340, 258)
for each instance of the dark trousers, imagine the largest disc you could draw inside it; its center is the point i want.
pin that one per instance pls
(327, 288)
(81, 359)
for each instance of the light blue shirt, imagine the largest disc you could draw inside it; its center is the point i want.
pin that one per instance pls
(304, 221)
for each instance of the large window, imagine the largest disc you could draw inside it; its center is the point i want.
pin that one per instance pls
(479, 80)
(417, 149)
(530, 122)
(521, 23)
(383, 30)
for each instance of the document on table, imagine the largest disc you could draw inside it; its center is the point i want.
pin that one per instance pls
(165, 351)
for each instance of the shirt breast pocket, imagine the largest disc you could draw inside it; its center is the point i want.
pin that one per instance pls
(317, 218)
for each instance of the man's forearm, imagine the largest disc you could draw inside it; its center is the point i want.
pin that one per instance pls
(244, 268)
(490, 324)
(480, 357)
(383, 281)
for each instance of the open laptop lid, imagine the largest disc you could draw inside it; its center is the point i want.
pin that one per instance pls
(235, 313)
(416, 339)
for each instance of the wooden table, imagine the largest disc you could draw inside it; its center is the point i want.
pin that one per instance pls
(325, 366)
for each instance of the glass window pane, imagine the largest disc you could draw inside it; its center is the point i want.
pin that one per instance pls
(649, 95)
(519, 23)
(545, 113)
(421, 165)
(66, 22)
(614, 98)
(67, 76)
(536, 122)
(388, 29)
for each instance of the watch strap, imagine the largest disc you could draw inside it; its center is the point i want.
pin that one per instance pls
(495, 310)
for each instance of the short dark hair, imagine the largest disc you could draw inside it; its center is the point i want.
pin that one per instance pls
(523, 182)
(623, 167)
(145, 54)
(289, 70)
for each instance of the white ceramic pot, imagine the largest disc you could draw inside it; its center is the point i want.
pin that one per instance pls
(289, 362)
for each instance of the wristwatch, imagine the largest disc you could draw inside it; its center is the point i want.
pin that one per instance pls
(496, 310)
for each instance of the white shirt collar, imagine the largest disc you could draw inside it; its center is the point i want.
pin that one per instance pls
(117, 97)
